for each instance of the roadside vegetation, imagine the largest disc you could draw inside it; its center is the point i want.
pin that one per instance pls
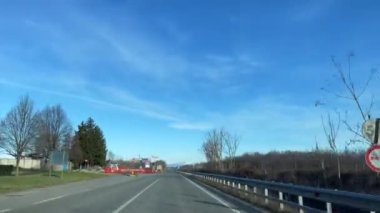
(28, 132)
(37, 179)
(317, 168)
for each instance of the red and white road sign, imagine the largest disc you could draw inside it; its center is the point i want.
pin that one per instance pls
(372, 158)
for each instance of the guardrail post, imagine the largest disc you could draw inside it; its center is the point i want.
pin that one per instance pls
(281, 198)
(246, 187)
(266, 195)
(224, 182)
(228, 183)
(233, 184)
(328, 207)
(254, 190)
(239, 186)
(300, 202)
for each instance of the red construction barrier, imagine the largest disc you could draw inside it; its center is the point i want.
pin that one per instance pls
(118, 169)
(125, 170)
(148, 171)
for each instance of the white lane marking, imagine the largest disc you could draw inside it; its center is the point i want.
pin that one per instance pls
(134, 197)
(47, 200)
(224, 203)
(5, 210)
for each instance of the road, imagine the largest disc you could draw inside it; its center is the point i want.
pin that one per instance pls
(168, 192)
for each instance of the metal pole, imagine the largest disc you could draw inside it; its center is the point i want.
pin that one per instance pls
(300, 203)
(281, 198)
(266, 195)
(328, 207)
(63, 162)
(377, 123)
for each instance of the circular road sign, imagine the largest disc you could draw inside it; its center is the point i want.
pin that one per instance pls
(372, 158)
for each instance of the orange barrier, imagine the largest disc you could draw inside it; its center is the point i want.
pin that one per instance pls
(125, 170)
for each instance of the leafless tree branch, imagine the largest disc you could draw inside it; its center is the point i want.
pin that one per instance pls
(331, 129)
(18, 130)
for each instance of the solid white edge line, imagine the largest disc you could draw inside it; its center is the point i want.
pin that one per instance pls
(47, 200)
(224, 203)
(5, 210)
(134, 198)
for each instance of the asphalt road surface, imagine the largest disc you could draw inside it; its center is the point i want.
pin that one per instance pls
(167, 193)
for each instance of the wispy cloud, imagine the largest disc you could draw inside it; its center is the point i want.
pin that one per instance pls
(190, 126)
(144, 56)
(271, 120)
(133, 105)
(174, 31)
(149, 56)
(79, 49)
(310, 10)
(220, 68)
(142, 106)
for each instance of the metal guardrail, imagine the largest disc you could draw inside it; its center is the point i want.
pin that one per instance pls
(333, 199)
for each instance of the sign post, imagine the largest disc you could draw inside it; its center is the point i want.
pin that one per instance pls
(372, 158)
(370, 130)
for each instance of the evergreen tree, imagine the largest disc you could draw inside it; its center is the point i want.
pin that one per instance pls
(92, 143)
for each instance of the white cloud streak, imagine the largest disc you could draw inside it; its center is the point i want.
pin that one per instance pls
(129, 107)
(191, 126)
(144, 54)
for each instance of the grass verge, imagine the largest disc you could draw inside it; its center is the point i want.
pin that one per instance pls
(24, 182)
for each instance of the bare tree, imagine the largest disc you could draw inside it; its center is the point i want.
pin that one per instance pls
(68, 141)
(231, 144)
(53, 128)
(331, 130)
(217, 143)
(18, 130)
(111, 156)
(354, 93)
(212, 147)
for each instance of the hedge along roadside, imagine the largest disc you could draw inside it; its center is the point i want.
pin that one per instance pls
(6, 170)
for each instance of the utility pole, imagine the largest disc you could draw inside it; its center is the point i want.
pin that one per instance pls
(63, 162)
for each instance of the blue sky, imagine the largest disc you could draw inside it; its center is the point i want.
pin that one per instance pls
(156, 75)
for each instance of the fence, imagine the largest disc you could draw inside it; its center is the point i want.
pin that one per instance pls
(26, 163)
(302, 198)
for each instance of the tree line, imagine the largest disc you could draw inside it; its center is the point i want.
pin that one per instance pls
(25, 131)
(317, 168)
